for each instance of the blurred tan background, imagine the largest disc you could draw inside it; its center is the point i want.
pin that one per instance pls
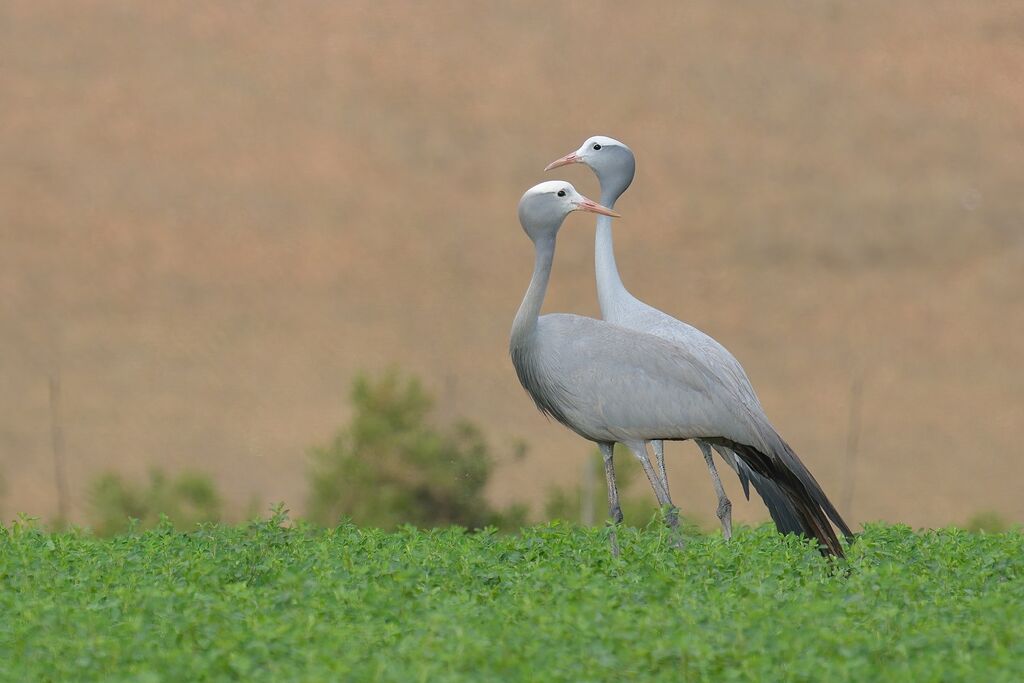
(212, 216)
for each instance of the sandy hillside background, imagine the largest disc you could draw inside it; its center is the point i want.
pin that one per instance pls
(213, 216)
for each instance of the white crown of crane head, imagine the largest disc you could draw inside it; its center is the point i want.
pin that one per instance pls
(543, 207)
(611, 160)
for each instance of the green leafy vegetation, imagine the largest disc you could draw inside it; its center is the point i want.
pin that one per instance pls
(186, 499)
(267, 602)
(390, 466)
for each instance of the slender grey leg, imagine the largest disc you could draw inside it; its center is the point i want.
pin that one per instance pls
(672, 514)
(724, 504)
(659, 453)
(614, 511)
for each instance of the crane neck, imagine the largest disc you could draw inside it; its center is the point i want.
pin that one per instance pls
(525, 322)
(610, 290)
(610, 195)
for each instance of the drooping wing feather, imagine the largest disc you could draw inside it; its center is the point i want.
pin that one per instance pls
(719, 361)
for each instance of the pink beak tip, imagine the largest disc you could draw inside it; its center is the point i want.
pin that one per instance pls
(594, 207)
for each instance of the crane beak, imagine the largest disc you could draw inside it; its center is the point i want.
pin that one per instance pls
(593, 207)
(570, 158)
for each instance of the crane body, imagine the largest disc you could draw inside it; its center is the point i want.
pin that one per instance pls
(611, 384)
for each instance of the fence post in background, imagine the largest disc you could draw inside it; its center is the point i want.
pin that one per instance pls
(57, 438)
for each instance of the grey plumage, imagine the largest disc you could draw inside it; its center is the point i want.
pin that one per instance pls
(614, 164)
(611, 384)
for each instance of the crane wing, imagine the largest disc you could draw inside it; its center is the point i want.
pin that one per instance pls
(616, 384)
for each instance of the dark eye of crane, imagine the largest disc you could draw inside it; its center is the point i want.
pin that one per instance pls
(596, 146)
(561, 193)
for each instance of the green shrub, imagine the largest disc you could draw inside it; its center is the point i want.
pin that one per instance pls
(187, 500)
(390, 466)
(988, 522)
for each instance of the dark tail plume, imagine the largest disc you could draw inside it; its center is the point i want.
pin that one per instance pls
(793, 497)
(786, 519)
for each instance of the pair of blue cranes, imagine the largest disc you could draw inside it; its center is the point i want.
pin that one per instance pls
(640, 376)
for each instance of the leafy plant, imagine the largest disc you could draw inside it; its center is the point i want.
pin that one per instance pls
(118, 505)
(273, 600)
(390, 466)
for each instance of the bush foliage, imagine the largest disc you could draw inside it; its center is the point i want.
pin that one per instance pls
(988, 522)
(187, 499)
(391, 466)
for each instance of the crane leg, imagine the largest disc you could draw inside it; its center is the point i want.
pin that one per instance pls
(724, 504)
(614, 511)
(672, 512)
(659, 454)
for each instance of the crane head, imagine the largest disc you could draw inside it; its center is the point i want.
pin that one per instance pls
(612, 162)
(543, 207)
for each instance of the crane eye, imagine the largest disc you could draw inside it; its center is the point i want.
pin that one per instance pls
(561, 193)
(597, 146)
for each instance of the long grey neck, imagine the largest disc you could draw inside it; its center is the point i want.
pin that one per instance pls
(611, 293)
(526, 319)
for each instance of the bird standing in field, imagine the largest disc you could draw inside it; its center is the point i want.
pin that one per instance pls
(615, 165)
(610, 384)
